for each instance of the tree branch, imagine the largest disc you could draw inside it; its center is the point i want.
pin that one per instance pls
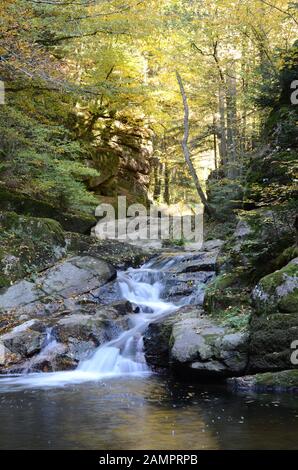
(287, 13)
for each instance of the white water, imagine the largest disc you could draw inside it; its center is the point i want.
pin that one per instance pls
(121, 356)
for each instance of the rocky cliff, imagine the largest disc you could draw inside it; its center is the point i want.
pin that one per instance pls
(122, 155)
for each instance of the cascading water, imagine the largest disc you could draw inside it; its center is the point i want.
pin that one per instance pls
(124, 355)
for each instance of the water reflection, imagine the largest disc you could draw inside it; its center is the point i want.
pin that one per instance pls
(145, 413)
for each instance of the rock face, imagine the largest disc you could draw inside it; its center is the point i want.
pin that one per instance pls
(122, 157)
(260, 238)
(192, 343)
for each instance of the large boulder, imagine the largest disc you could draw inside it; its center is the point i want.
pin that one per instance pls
(192, 343)
(76, 276)
(29, 245)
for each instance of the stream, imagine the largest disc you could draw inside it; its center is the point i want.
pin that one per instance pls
(114, 401)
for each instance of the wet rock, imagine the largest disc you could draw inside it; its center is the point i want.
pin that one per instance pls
(186, 286)
(157, 341)
(204, 261)
(21, 342)
(73, 337)
(184, 275)
(124, 307)
(82, 327)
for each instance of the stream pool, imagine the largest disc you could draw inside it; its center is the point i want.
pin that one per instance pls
(151, 412)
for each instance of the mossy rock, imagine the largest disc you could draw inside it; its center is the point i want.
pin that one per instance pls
(278, 291)
(261, 236)
(226, 291)
(287, 255)
(287, 379)
(284, 381)
(26, 205)
(28, 245)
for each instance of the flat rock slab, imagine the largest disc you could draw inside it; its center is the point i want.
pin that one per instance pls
(76, 276)
(188, 261)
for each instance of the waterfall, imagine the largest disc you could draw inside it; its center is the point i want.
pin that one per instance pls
(124, 355)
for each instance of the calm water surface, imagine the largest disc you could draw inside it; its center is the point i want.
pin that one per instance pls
(145, 413)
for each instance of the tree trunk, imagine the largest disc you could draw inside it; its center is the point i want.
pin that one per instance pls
(215, 143)
(208, 208)
(222, 124)
(157, 181)
(166, 194)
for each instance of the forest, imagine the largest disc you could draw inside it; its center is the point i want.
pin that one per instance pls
(159, 344)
